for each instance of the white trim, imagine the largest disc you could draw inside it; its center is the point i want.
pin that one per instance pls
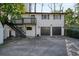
(51, 31)
(62, 31)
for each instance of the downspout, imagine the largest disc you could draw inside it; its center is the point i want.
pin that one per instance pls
(35, 26)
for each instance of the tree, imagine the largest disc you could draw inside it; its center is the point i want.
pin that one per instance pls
(35, 7)
(12, 9)
(69, 17)
(30, 7)
(61, 7)
(42, 7)
(54, 9)
(77, 13)
(50, 6)
(77, 7)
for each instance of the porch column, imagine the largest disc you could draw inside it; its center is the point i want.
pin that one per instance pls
(51, 30)
(62, 31)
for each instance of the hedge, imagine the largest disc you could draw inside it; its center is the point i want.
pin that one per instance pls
(72, 32)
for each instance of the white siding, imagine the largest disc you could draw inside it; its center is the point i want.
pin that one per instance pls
(38, 31)
(30, 32)
(45, 23)
(62, 32)
(49, 23)
(13, 33)
(6, 31)
(1, 34)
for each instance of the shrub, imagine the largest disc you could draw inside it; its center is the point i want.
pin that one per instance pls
(71, 32)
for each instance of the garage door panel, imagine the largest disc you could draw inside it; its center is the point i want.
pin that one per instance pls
(45, 30)
(56, 30)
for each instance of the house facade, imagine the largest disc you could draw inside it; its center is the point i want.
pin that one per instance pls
(1, 34)
(39, 24)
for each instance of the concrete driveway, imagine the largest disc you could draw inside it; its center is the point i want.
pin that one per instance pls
(38, 46)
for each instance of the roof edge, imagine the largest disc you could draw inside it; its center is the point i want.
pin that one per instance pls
(44, 13)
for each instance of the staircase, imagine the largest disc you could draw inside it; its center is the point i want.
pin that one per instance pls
(20, 32)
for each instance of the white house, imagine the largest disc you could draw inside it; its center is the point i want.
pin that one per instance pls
(1, 34)
(8, 31)
(39, 24)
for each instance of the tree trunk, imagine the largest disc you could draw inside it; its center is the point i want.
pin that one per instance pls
(35, 7)
(29, 7)
(54, 7)
(42, 7)
(61, 7)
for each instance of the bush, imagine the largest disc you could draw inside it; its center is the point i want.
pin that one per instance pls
(72, 32)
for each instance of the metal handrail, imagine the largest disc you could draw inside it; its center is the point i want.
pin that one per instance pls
(32, 21)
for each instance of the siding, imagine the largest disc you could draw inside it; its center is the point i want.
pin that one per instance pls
(1, 33)
(49, 23)
(30, 32)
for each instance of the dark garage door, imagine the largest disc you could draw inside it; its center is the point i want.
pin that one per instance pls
(56, 30)
(45, 30)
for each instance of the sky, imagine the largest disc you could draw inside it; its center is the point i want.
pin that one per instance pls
(47, 9)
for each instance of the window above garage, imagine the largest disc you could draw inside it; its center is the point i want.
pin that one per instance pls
(45, 16)
(29, 28)
(57, 16)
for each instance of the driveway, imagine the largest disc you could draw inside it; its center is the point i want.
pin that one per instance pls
(40, 46)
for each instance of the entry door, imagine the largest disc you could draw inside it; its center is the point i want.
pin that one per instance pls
(45, 30)
(56, 30)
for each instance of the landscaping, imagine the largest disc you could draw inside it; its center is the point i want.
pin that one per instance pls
(72, 32)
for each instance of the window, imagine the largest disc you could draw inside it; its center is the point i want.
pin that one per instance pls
(29, 28)
(45, 16)
(57, 16)
(32, 16)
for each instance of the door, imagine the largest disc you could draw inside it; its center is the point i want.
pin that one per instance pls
(56, 30)
(45, 30)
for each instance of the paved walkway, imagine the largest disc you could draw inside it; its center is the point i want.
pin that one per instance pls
(40, 46)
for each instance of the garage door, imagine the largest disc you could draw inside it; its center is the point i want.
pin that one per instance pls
(56, 30)
(45, 30)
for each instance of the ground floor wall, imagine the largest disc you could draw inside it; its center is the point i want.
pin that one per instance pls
(30, 30)
(1, 34)
(8, 32)
(34, 30)
(13, 33)
(39, 31)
